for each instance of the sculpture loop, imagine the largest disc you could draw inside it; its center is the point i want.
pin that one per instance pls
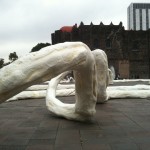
(90, 88)
(90, 70)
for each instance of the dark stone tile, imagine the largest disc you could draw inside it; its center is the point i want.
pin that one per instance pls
(145, 146)
(119, 140)
(93, 137)
(49, 123)
(14, 141)
(41, 142)
(40, 147)
(67, 137)
(30, 123)
(139, 133)
(119, 125)
(124, 146)
(96, 146)
(23, 132)
(12, 147)
(114, 132)
(43, 133)
(145, 125)
(141, 140)
(131, 130)
(71, 125)
(7, 130)
(68, 147)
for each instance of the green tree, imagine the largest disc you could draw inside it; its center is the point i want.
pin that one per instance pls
(1, 62)
(13, 56)
(39, 46)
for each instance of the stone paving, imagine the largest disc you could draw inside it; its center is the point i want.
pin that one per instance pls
(120, 124)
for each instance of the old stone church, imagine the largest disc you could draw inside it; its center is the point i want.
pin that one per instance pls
(128, 51)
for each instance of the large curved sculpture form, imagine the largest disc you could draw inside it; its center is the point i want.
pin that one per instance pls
(103, 75)
(90, 71)
(84, 108)
(41, 66)
(68, 111)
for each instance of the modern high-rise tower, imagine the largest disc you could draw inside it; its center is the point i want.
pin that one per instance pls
(138, 15)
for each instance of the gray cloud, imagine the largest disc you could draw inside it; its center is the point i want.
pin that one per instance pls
(24, 23)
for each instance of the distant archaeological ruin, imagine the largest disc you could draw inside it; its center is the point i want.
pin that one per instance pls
(128, 51)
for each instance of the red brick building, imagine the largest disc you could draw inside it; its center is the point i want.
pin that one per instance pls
(128, 51)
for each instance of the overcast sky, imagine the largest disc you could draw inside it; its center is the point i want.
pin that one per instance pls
(24, 23)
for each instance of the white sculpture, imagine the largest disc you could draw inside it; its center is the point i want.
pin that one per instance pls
(47, 63)
(103, 75)
(113, 92)
(84, 107)
(40, 66)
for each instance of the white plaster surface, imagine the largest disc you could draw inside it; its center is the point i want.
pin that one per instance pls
(131, 80)
(59, 108)
(136, 91)
(38, 67)
(91, 74)
(102, 74)
(114, 94)
(41, 66)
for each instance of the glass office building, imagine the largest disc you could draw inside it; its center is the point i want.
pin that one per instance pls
(138, 15)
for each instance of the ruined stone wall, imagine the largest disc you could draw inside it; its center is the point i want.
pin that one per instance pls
(119, 45)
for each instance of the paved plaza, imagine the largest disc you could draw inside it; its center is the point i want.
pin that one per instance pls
(120, 124)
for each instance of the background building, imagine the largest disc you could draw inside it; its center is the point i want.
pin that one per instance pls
(138, 15)
(128, 51)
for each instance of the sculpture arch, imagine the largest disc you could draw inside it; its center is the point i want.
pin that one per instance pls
(84, 108)
(49, 62)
